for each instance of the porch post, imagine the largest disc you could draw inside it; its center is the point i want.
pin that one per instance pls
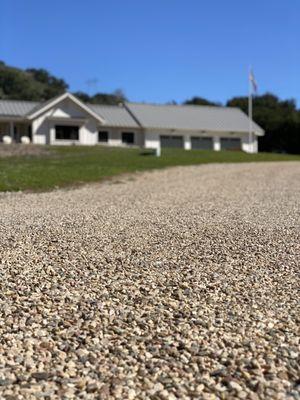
(11, 129)
(217, 143)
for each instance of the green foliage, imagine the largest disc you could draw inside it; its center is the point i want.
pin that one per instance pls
(39, 85)
(279, 118)
(53, 86)
(102, 98)
(31, 84)
(200, 101)
(70, 165)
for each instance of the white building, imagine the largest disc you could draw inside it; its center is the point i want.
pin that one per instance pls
(67, 120)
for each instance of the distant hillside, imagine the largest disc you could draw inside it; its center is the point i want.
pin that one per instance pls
(30, 84)
(39, 85)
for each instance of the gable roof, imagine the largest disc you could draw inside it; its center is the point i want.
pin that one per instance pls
(192, 118)
(52, 102)
(134, 115)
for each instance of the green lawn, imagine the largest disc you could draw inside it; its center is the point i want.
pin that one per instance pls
(74, 165)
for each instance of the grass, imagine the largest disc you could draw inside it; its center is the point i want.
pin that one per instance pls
(66, 166)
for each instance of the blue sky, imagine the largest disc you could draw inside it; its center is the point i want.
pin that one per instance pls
(158, 50)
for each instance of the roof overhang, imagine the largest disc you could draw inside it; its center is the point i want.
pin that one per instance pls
(259, 133)
(8, 118)
(67, 120)
(59, 99)
(202, 131)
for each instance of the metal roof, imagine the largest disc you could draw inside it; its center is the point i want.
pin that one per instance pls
(16, 108)
(133, 115)
(192, 118)
(116, 116)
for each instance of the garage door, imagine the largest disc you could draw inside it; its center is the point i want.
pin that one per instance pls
(230, 144)
(202, 143)
(171, 141)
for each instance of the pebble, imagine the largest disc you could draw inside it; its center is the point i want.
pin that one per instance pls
(182, 283)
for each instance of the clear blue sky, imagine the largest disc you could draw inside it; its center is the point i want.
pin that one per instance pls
(158, 50)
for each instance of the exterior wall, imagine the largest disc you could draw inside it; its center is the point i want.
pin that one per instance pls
(67, 109)
(115, 136)
(40, 130)
(152, 139)
(43, 127)
(250, 147)
(88, 133)
(187, 142)
(217, 142)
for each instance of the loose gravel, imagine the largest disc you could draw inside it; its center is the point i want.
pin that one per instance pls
(174, 284)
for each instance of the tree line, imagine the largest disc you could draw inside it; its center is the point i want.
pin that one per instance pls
(279, 118)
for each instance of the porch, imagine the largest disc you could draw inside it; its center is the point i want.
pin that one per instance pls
(15, 130)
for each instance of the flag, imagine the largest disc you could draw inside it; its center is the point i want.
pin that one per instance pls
(253, 81)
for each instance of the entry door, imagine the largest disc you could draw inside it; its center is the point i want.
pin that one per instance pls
(171, 141)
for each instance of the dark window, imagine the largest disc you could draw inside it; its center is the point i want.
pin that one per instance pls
(102, 136)
(128, 137)
(66, 132)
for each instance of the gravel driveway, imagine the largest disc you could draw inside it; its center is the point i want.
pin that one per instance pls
(181, 283)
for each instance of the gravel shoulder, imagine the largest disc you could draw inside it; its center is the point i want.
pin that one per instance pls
(173, 284)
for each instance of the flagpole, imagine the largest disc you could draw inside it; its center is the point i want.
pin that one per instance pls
(250, 107)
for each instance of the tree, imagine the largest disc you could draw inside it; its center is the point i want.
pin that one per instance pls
(53, 86)
(39, 85)
(114, 98)
(83, 97)
(279, 118)
(200, 101)
(31, 84)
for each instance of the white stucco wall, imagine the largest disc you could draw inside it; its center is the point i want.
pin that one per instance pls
(40, 130)
(249, 147)
(115, 136)
(152, 140)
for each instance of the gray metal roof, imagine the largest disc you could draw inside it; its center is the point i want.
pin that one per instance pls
(133, 115)
(192, 118)
(16, 108)
(116, 116)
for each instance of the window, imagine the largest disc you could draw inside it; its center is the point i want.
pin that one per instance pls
(66, 132)
(128, 137)
(103, 136)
